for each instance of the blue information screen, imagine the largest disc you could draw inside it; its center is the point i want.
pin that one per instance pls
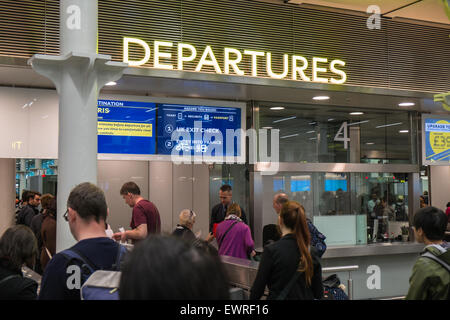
(198, 130)
(335, 185)
(437, 140)
(126, 127)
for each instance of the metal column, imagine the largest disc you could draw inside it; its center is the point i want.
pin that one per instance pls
(78, 74)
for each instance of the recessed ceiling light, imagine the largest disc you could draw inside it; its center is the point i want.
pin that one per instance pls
(267, 128)
(321, 98)
(406, 104)
(370, 143)
(277, 108)
(358, 113)
(404, 131)
(111, 83)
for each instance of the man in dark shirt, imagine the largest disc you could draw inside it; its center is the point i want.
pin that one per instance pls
(86, 214)
(145, 216)
(219, 211)
(30, 210)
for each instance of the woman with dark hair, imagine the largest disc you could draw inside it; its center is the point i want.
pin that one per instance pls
(168, 268)
(18, 246)
(48, 233)
(290, 267)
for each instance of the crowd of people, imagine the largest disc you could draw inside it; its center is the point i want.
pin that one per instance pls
(177, 266)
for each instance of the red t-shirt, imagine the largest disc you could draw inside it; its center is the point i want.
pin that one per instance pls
(447, 212)
(145, 212)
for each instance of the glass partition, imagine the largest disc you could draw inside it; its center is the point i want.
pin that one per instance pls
(333, 134)
(349, 208)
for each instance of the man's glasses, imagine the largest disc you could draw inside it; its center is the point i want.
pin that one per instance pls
(65, 216)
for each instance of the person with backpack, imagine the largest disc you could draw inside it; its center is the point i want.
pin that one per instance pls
(271, 232)
(69, 269)
(289, 268)
(430, 279)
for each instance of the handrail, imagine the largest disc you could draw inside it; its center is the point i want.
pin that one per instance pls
(339, 269)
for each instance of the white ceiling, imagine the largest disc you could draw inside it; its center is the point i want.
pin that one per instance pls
(425, 10)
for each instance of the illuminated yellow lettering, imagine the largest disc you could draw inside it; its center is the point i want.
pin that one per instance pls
(285, 67)
(181, 58)
(203, 60)
(157, 55)
(316, 70)
(254, 55)
(299, 70)
(233, 62)
(133, 63)
(338, 72)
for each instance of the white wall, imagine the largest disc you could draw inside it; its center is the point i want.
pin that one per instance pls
(170, 187)
(28, 123)
(7, 193)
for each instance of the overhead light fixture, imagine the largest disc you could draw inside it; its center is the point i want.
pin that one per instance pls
(284, 119)
(277, 108)
(389, 125)
(331, 119)
(404, 131)
(321, 98)
(359, 122)
(111, 83)
(357, 113)
(370, 143)
(267, 128)
(406, 104)
(289, 136)
(311, 131)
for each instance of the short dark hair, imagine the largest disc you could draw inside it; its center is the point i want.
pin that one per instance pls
(30, 195)
(448, 204)
(168, 268)
(18, 245)
(225, 188)
(25, 195)
(45, 199)
(89, 201)
(130, 187)
(433, 222)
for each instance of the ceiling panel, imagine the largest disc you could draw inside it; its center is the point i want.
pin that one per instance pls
(425, 10)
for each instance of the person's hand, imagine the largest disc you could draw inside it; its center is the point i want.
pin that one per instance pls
(120, 236)
(210, 237)
(253, 253)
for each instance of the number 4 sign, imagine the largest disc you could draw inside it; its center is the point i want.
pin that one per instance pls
(342, 135)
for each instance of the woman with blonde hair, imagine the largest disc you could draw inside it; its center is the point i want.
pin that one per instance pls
(290, 267)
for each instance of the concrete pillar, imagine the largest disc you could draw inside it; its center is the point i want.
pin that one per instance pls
(23, 181)
(7, 193)
(78, 74)
(440, 185)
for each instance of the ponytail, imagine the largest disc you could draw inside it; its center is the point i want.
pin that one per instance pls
(293, 215)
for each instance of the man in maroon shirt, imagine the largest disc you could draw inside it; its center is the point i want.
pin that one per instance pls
(145, 217)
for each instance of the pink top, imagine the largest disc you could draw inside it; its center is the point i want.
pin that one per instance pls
(238, 241)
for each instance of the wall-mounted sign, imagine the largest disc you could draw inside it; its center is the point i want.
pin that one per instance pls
(126, 127)
(198, 130)
(294, 65)
(436, 140)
